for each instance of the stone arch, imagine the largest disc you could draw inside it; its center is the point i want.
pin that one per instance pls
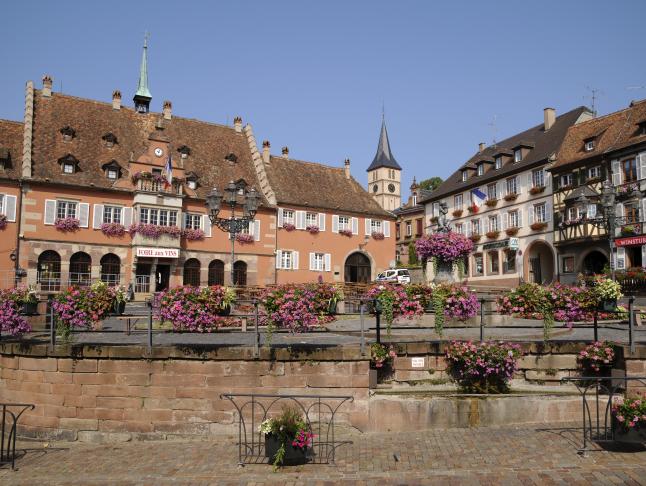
(216, 272)
(240, 273)
(49, 271)
(80, 269)
(358, 268)
(593, 261)
(192, 268)
(110, 269)
(539, 262)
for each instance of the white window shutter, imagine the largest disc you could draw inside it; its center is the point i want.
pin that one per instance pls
(206, 225)
(621, 258)
(616, 173)
(643, 253)
(548, 178)
(520, 218)
(530, 214)
(300, 220)
(505, 221)
(182, 220)
(279, 257)
(251, 229)
(503, 189)
(519, 184)
(619, 212)
(10, 208)
(355, 225)
(280, 218)
(127, 217)
(97, 216)
(50, 211)
(321, 221)
(386, 225)
(548, 212)
(592, 210)
(84, 215)
(530, 180)
(256, 229)
(368, 226)
(641, 162)
(335, 223)
(295, 260)
(486, 225)
(468, 229)
(328, 262)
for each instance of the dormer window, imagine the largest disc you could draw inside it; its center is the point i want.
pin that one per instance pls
(191, 180)
(69, 164)
(191, 184)
(480, 168)
(498, 162)
(5, 158)
(641, 128)
(68, 133)
(518, 155)
(112, 174)
(589, 145)
(464, 176)
(68, 168)
(184, 151)
(112, 170)
(233, 158)
(110, 139)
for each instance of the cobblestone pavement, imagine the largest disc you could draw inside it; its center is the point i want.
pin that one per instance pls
(510, 456)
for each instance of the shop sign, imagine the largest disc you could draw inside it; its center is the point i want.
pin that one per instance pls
(495, 244)
(631, 241)
(158, 252)
(513, 244)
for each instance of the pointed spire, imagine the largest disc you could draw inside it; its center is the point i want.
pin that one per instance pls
(142, 96)
(384, 157)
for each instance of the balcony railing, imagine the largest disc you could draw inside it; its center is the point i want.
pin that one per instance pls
(151, 185)
(49, 281)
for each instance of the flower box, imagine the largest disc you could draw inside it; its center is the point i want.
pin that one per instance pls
(492, 235)
(29, 308)
(511, 231)
(153, 231)
(457, 213)
(537, 190)
(293, 455)
(244, 238)
(346, 232)
(628, 230)
(538, 226)
(475, 238)
(473, 209)
(67, 224)
(634, 435)
(313, 229)
(491, 203)
(378, 235)
(289, 227)
(511, 197)
(193, 234)
(3, 221)
(113, 229)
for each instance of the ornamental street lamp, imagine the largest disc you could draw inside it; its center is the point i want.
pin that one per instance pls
(233, 224)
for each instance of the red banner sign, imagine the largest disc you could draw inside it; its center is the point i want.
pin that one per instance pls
(631, 241)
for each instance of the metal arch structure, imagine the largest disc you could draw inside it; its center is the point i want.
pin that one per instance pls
(8, 431)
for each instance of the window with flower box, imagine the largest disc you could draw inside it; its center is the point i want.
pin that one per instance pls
(512, 185)
(344, 223)
(311, 219)
(572, 213)
(457, 201)
(288, 216)
(540, 215)
(375, 226)
(192, 221)
(158, 217)
(538, 178)
(514, 220)
(66, 209)
(112, 214)
(493, 223)
(8, 206)
(594, 173)
(567, 180)
(492, 192)
(475, 227)
(629, 168)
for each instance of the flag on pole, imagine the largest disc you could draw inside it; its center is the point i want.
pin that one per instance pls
(169, 169)
(478, 197)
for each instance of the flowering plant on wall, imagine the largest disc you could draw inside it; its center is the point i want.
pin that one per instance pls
(597, 356)
(154, 231)
(381, 355)
(346, 232)
(145, 175)
(289, 429)
(473, 208)
(3, 221)
(82, 307)
(193, 234)
(313, 229)
(453, 302)
(244, 238)
(629, 412)
(113, 229)
(289, 227)
(447, 247)
(11, 322)
(67, 224)
(194, 309)
(378, 235)
(394, 302)
(484, 367)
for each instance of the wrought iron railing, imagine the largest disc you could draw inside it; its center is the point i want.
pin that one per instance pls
(11, 413)
(142, 284)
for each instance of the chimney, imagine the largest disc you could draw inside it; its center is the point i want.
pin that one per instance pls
(47, 86)
(481, 147)
(116, 99)
(347, 168)
(549, 115)
(237, 124)
(168, 109)
(285, 151)
(265, 151)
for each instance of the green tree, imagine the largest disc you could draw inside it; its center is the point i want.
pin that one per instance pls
(431, 184)
(412, 254)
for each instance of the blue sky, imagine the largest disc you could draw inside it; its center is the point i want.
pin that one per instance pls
(313, 75)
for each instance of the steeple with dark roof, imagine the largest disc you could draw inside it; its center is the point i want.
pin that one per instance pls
(384, 157)
(142, 96)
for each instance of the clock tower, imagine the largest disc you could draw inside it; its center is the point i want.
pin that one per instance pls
(384, 174)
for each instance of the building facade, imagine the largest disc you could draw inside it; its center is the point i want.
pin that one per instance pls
(501, 198)
(612, 150)
(101, 191)
(410, 225)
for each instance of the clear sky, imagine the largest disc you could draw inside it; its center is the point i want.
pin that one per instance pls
(313, 75)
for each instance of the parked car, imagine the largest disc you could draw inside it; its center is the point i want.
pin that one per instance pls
(399, 275)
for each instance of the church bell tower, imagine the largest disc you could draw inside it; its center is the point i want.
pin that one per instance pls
(384, 174)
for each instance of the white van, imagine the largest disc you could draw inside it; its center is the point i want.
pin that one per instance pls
(399, 275)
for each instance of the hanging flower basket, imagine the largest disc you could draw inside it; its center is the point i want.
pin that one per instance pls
(457, 213)
(491, 203)
(447, 247)
(289, 227)
(492, 235)
(538, 226)
(511, 197)
(67, 224)
(3, 221)
(511, 231)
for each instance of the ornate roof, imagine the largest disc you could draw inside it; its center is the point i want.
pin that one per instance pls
(384, 157)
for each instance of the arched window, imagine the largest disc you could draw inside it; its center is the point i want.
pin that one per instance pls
(240, 274)
(192, 272)
(49, 271)
(80, 265)
(111, 269)
(216, 272)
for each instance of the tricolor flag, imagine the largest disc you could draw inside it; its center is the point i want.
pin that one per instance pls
(478, 197)
(169, 169)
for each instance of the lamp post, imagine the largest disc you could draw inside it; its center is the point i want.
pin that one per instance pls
(233, 224)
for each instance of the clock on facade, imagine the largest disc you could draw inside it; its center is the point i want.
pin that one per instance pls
(159, 152)
(375, 188)
(391, 187)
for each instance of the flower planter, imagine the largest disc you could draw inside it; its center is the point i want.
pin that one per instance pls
(511, 197)
(293, 455)
(511, 231)
(444, 272)
(537, 190)
(457, 213)
(473, 209)
(624, 435)
(475, 238)
(492, 235)
(119, 307)
(492, 203)
(29, 308)
(538, 226)
(224, 311)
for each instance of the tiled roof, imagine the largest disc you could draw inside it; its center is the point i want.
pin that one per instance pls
(545, 143)
(11, 134)
(209, 143)
(611, 132)
(315, 185)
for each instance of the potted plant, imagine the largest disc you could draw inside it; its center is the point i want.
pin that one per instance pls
(512, 196)
(119, 300)
(605, 292)
(378, 235)
(457, 213)
(473, 209)
(289, 227)
(346, 232)
(537, 190)
(3, 221)
(511, 231)
(287, 438)
(628, 230)
(597, 359)
(475, 237)
(313, 229)
(491, 203)
(380, 358)
(629, 420)
(445, 249)
(492, 235)
(29, 301)
(538, 226)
